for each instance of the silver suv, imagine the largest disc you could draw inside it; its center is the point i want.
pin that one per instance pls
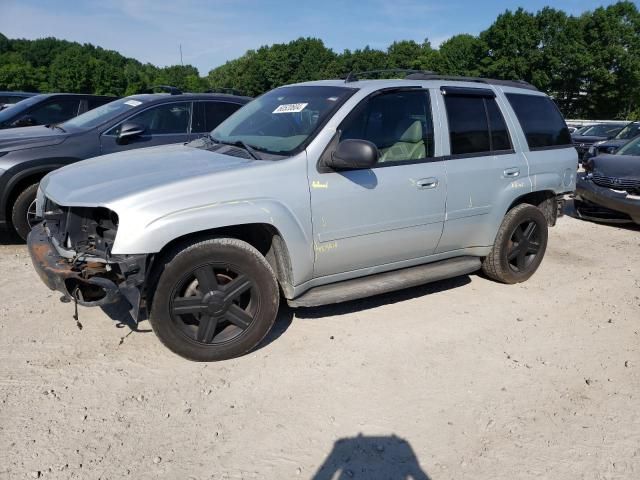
(318, 193)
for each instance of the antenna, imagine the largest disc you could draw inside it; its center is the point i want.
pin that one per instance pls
(181, 55)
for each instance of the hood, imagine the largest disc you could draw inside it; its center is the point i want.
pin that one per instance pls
(612, 143)
(618, 166)
(588, 139)
(30, 137)
(109, 178)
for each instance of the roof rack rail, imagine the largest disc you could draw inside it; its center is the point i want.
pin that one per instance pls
(225, 90)
(166, 88)
(455, 78)
(355, 76)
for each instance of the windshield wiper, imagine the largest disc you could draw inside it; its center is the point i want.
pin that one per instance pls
(239, 143)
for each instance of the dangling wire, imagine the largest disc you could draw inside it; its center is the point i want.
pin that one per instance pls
(75, 294)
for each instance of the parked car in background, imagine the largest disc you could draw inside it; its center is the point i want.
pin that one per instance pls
(49, 109)
(630, 131)
(595, 133)
(609, 190)
(325, 191)
(10, 98)
(28, 154)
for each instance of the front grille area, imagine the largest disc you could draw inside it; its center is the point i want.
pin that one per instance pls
(628, 184)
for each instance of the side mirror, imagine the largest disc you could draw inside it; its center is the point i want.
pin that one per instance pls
(353, 154)
(26, 121)
(128, 131)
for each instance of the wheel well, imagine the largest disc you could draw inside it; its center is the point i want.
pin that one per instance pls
(263, 237)
(544, 200)
(19, 186)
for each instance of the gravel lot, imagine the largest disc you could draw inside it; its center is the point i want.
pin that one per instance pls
(461, 379)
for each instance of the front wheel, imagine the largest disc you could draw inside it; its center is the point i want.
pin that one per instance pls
(214, 300)
(23, 213)
(519, 247)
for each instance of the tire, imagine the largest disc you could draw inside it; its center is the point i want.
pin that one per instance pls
(22, 209)
(214, 322)
(513, 238)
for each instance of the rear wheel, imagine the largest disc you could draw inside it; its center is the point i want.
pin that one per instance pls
(23, 213)
(215, 300)
(519, 247)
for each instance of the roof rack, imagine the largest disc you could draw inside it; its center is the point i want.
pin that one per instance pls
(225, 90)
(167, 88)
(355, 76)
(454, 78)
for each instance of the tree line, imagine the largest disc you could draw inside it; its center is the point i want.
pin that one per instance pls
(589, 63)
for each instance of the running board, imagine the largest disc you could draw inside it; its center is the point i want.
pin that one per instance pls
(386, 282)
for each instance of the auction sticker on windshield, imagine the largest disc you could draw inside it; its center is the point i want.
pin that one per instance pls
(290, 108)
(133, 103)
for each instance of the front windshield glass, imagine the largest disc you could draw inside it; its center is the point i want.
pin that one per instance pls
(603, 130)
(283, 120)
(628, 132)
(102, 113)
(632, 148)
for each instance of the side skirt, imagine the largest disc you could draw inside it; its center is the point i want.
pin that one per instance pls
(386, 282)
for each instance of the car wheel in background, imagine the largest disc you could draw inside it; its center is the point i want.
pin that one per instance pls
(23, 213)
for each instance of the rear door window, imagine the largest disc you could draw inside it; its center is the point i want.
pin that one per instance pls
(208, 115)
(540, 120)
(476, 125)
(56, 111)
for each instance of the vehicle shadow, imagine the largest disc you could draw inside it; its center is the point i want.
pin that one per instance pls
(10, 238)
(570, 211)
(371, 457)
(383, 299)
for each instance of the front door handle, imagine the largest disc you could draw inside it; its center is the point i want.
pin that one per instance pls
(511, 172)
(425, 183)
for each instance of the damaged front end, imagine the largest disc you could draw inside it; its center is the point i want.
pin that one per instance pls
(71, 251)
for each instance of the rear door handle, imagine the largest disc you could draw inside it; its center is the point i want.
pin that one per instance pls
(511, 172)
(425, 183)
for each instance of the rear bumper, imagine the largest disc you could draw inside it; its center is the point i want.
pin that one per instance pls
(588, 191)
(60, 274)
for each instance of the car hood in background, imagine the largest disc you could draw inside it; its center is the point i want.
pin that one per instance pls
(588, 139)
(30, 137)
(619, 166)
(611, 143)
(109, 178)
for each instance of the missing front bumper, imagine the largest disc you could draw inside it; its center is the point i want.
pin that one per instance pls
(71, 280)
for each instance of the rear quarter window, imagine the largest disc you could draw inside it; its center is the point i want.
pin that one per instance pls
(540, 120)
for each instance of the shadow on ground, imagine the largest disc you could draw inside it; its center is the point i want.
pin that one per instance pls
(374, 458)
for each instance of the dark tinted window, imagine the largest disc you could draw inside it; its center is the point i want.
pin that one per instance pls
(170, 118)
(499, 132)
(468, 126)
(208, 115)
(56, 111)
(96, 102)
(540, 120)
(399, 124)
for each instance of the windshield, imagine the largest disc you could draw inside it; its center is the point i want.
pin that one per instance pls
(283, 120)
(631, 148)
(102, 113)
(628, 132)
(603, 130)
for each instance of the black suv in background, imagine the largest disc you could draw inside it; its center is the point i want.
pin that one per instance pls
(49, 109)
(595, 133)
(9, 98)
(629, 132)
(28, 154)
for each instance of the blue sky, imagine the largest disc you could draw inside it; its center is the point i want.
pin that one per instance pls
(212, 32)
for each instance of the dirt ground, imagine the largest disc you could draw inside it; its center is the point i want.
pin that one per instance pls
(461, 379)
